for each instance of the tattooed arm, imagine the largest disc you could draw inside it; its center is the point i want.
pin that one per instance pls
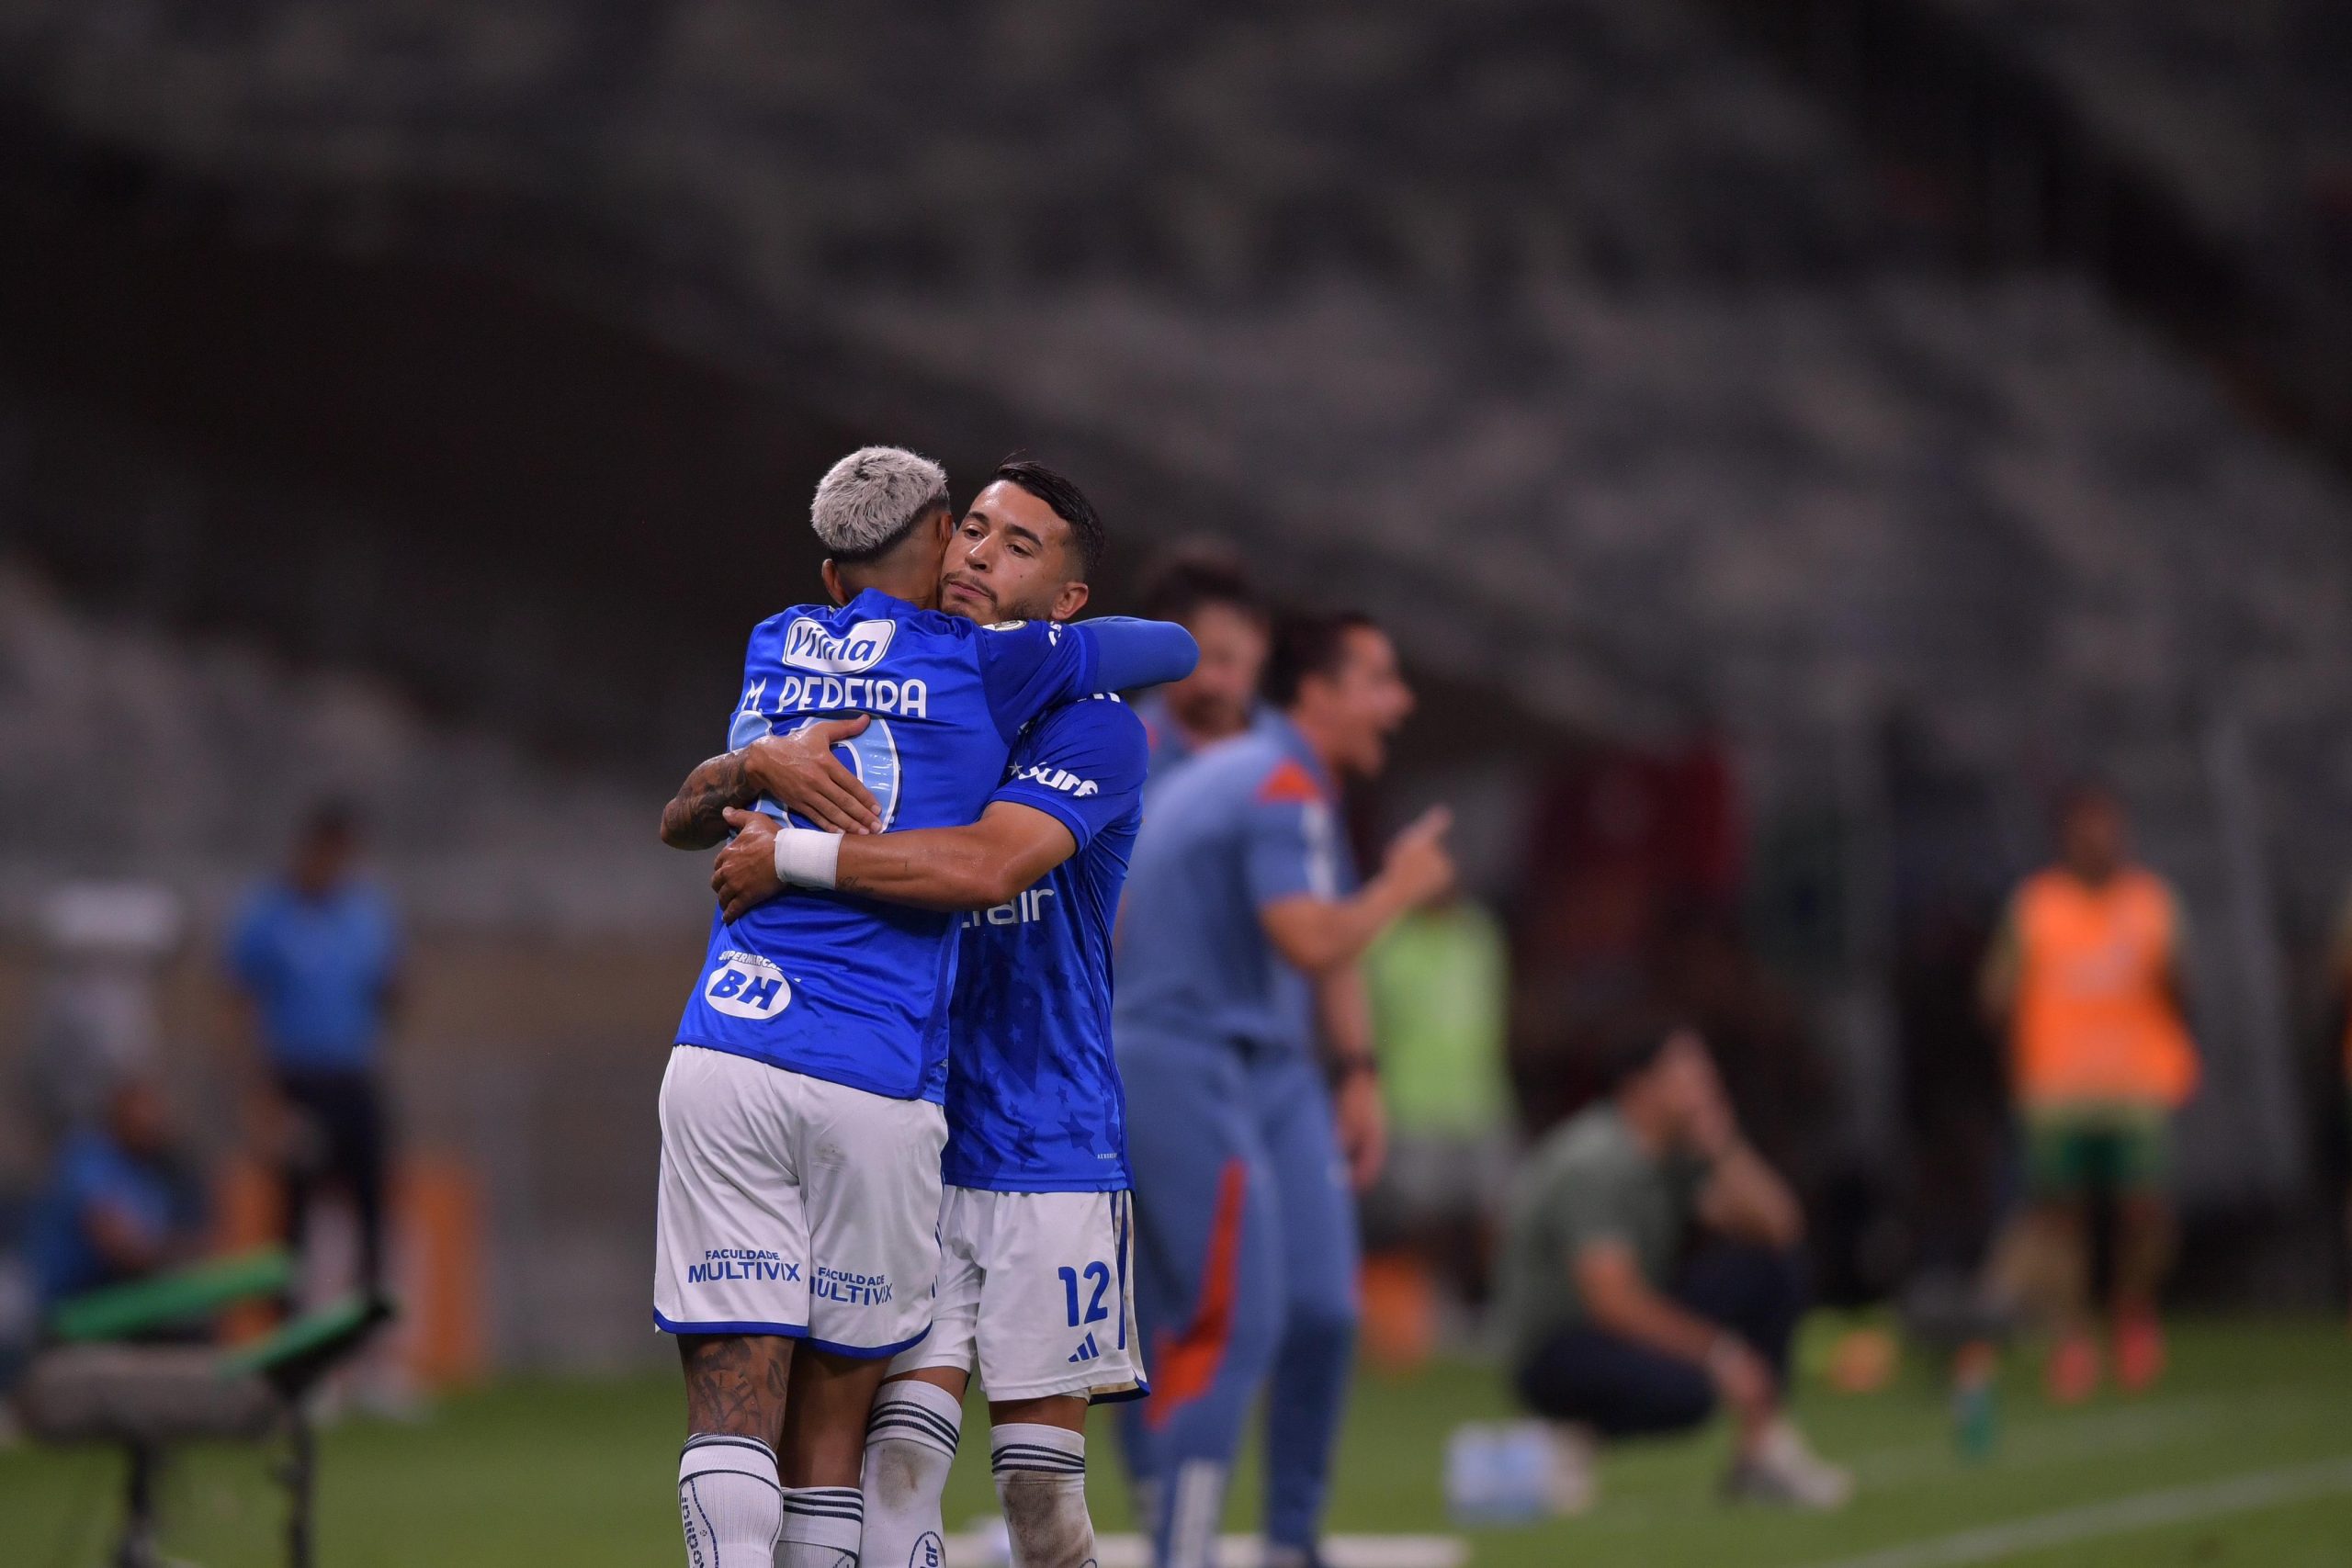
(798, 771)
(692, 819)
(977, 866)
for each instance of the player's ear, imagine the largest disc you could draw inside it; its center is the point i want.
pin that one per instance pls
(1070, 600)
(832, 576)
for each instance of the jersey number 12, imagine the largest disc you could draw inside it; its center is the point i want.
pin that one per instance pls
(1095, 1311)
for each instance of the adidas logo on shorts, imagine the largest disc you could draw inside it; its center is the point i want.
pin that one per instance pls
(1087, 1351)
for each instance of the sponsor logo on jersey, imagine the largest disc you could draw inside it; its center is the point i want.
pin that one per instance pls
(739, 1263)
(809, 645)
(745, 984)
(1060, 779)
(850, 1288)
(1004, 626)
(1022, 909)
(1088, 1350)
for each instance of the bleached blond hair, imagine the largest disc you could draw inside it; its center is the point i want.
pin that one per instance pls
(867, 501)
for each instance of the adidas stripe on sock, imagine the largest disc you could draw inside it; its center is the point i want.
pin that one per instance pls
(1041, 1481)
(824, 1528)
(909, 1446)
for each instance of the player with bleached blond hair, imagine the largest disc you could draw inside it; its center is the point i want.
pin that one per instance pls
(797, 1243)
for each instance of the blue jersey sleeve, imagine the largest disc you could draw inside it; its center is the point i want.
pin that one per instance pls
(1132, 653)
(248, 954)
(1027, 667)
(384, 925)
(1083, 765)
(1292, 843)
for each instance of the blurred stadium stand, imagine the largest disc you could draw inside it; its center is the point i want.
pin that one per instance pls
(491, 350)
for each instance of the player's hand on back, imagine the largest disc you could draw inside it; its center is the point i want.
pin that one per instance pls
(1419, 860)
(799, 773)
(744, 875)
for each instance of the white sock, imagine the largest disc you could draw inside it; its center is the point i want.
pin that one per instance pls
(821, 1528)
(1194, 1504)
(909, 1445)
(1041, 1482)
(728, 1501)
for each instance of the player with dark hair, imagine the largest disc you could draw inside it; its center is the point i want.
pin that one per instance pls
(1207, 592)
(1241, 935)
(801, 1121)
(1036, 1283)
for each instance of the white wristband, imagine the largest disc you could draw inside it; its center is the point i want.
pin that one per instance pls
(807, 858)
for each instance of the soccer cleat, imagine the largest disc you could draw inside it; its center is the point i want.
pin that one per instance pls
(2072, 1374)
(2139, 1351)
(1784, 1471)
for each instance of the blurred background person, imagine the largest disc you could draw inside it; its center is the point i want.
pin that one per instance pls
(314, 958)
(1650, 1274)
(1206, 591)
(1439, 983)
(123, 1200)
(1240, 1023)
(2084, 979)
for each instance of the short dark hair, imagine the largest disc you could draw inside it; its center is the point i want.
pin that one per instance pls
(1306, 645)
(333, 817)
(1198, 575)
(2086, 795)
(1068, 503)
(1631, 1044)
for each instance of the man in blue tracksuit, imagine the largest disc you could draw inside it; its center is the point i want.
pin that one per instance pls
(1241, 934)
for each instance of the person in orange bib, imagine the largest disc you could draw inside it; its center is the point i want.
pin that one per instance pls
(2085, 980)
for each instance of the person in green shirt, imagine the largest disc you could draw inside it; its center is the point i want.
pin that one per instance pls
(1439, 985)
(1649, 1274)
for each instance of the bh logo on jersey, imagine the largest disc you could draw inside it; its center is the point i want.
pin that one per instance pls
(809, 645)
(747, 986)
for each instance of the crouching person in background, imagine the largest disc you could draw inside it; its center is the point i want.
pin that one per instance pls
(1650, 1275)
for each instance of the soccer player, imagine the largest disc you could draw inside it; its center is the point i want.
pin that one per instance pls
(1034, 1229)
(2085, 978)
(1242, 923)
(800, 1114)
(1205, 593)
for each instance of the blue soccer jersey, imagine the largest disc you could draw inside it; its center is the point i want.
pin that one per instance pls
(1033, 1103)
(1246, 824)
(846, 988)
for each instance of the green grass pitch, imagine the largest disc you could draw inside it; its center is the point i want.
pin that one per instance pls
(2245, 1456)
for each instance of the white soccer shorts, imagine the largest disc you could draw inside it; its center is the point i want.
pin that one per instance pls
(794, 1206)
(1038, 1288)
